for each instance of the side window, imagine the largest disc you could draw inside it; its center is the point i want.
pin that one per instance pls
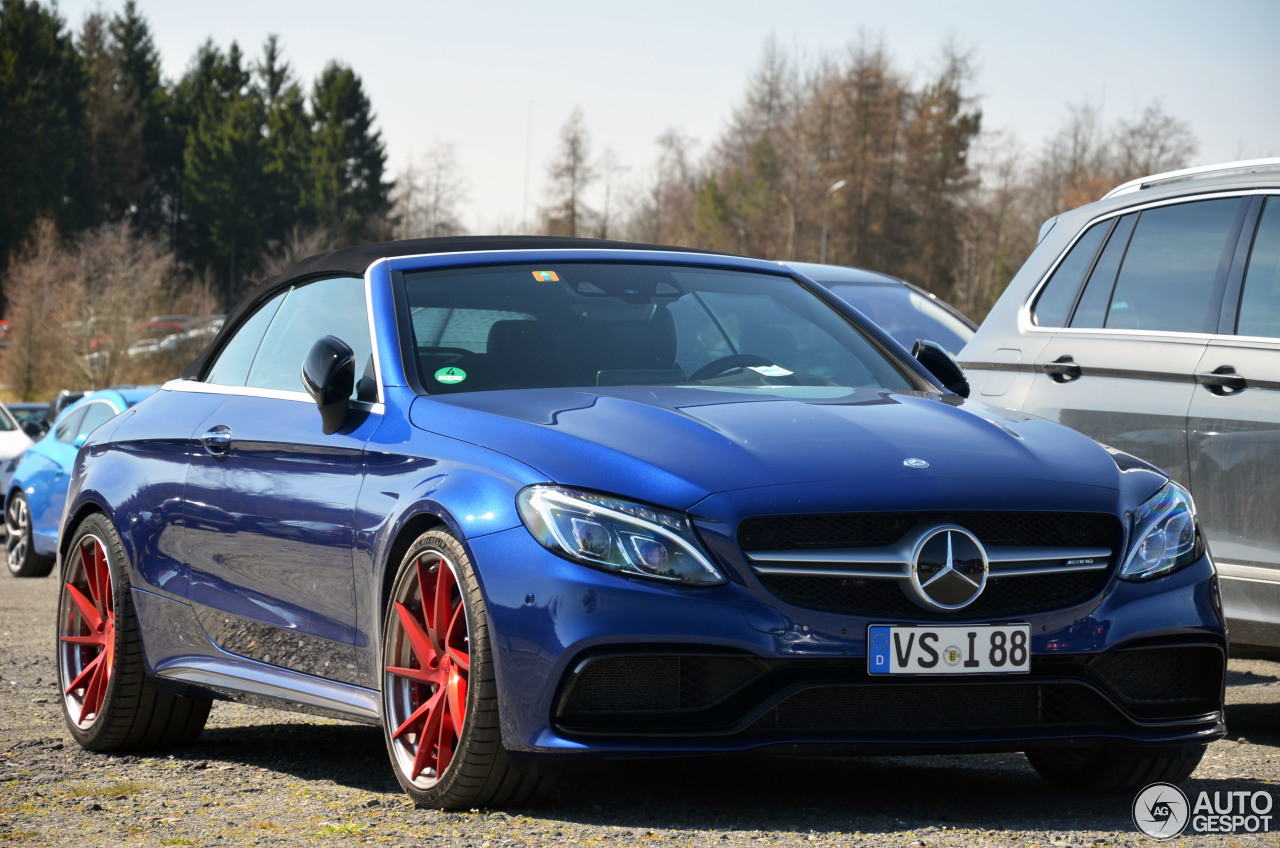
(69, 426)
(1260, 300)
(1092, 309)
(232, 366)
(334, 307)
(1171, 271)
(95, 415)
(1053, 306)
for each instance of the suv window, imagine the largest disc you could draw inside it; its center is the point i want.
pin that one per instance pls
(1092, 309)
(1260, 300)
(1176, 261)
(1053, 306)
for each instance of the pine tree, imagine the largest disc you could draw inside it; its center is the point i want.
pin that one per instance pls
(157, 208)
(41, 123)
(571, 172)
(346, 194)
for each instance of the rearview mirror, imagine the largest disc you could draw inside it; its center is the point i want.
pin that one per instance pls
(329, 374)
(942, 365)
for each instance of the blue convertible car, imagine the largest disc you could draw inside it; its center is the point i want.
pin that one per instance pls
(528, 503)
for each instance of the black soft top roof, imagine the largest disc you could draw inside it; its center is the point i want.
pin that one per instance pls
(354, 261)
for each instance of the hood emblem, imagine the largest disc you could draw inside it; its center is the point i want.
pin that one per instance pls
(915, 462)
(949, 569)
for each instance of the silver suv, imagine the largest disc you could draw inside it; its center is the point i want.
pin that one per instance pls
(1150, 321)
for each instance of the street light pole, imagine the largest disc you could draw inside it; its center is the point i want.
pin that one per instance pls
(826, 209)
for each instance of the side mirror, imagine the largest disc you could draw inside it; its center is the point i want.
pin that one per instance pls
(939, 363)
(329, 375)
(33, 429)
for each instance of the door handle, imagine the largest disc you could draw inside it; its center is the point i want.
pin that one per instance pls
(217, 441)
(1222, 380)
(1062, 370)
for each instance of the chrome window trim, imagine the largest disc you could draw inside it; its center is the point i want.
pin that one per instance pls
(195, 386)
(373, 335)
(1026, 327)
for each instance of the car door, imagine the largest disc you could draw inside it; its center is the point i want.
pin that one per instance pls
(1119, 368)
(1234, 433)
(269, 498)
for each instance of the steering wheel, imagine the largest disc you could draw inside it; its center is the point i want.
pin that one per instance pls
(725, 364)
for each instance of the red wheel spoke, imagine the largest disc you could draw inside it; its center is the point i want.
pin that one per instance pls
(430, 729)
(416, 718)
(457, 636)
(429, 677)
(441, 617)
(418, 639)
(86, 672)
(444, 744)
(458, 698)
(87, 608)
(92, 639)
(96, 691)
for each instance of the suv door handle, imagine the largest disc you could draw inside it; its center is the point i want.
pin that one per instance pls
(217, 441)
(1062, 370)
(1222, 380)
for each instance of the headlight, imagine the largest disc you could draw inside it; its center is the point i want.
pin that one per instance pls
(1165, 536)
(616, 535)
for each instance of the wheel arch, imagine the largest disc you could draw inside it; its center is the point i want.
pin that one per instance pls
(73, 520)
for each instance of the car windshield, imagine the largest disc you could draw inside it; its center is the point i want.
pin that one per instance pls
(568, 324)
(906, 315)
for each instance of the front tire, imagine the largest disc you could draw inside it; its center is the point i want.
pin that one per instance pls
(19, 544)
(1104, 768)
(107, 701)
(439, 696)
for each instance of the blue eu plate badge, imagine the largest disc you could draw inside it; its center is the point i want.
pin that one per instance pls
(878, 649)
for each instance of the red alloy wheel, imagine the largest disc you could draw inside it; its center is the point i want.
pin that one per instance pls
(427, 669)
(87, 631)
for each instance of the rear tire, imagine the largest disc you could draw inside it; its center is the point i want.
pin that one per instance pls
(1104, 768)
(439, 696)
(19, 544)
(107, 701)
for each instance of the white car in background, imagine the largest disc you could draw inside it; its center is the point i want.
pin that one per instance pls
(13, 444)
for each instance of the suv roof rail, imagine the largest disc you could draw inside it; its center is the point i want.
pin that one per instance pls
(1195, 173)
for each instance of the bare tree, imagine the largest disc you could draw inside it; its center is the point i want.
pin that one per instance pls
(571, 173)
(80, 312)
(1151, 143)
(430, 194)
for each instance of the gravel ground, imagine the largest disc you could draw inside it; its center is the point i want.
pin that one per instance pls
(261, 777)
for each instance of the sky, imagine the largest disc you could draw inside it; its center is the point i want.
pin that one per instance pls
(498, 79)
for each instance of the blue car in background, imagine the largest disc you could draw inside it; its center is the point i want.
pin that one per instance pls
(529, 502)
(38, 489)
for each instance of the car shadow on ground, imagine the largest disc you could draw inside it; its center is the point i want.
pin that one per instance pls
(349, 755)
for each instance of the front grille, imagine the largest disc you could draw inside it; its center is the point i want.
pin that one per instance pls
(873, 529)
(858, 563)
(1004, 597)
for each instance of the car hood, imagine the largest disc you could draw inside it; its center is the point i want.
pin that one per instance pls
(677, 445)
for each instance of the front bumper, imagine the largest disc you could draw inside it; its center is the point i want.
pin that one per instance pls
(593, 664)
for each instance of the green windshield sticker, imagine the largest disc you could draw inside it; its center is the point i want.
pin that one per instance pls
(451, 375)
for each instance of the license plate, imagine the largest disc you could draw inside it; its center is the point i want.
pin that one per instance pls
(949, 649)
